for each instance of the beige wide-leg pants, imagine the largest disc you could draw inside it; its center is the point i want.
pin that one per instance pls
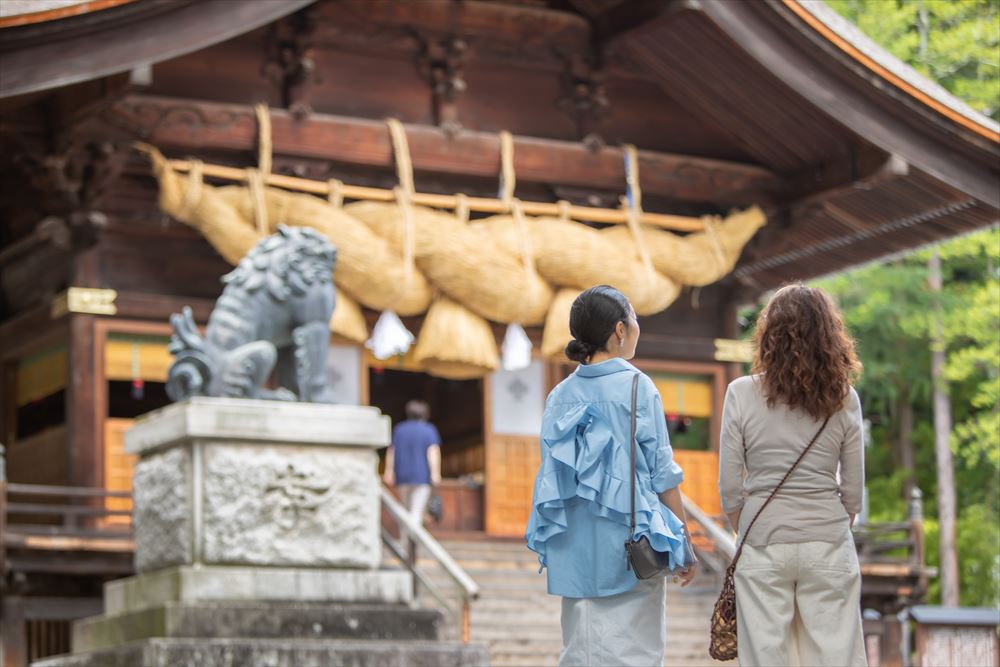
(799, 604)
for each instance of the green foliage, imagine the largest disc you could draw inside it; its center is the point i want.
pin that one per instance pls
(953, 42)
(888, 308)
(978, 536)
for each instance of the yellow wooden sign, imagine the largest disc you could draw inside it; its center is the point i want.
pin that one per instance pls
(89, 300)
(727, 349)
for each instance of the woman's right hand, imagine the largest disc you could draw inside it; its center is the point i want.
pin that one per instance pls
(687, 575)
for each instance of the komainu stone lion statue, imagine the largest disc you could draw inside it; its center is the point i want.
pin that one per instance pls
(274, 313)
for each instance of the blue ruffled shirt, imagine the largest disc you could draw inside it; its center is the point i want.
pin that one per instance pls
(580, 508)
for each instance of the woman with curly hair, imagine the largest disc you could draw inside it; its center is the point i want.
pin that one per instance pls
(797, 578)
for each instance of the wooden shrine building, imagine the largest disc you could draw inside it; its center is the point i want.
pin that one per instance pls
(740, 113)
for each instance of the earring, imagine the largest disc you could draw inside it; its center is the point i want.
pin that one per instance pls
(621, 342)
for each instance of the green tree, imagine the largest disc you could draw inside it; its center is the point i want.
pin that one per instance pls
(887, 309)
(957, 44)
(952, 42)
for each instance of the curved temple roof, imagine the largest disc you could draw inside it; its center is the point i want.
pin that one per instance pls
(846, 36)
(800, 90)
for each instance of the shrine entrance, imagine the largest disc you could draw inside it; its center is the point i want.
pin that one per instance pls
(457, 412)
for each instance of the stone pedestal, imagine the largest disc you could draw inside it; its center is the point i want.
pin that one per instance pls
(241, 482)
(258, 541)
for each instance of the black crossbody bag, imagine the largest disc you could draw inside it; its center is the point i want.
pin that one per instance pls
(645, 561)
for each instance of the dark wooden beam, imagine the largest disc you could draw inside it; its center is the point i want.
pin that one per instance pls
(159, 307)
(185, 126)
(57, 53)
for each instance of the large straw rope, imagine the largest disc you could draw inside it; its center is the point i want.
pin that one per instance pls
(455, 343)
(504, 268)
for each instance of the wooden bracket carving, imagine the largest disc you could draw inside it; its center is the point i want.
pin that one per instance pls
(74, 176)
(440, 63)
(584, 99)
(291, 64)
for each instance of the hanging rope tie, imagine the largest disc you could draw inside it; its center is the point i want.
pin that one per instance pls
(263, 139)
(192, 195)
(462, 208)
(512, 204)
(257, 178)
(256, 182)
(390, 337)
(335, 195)
(565, 209)
(711, 231)
(633, 205)
(516, 348)
(404, 196)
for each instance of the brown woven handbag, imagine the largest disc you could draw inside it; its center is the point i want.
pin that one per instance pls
(723, 643)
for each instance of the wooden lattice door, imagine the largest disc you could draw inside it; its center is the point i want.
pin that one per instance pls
(515, 401)
(511, 464)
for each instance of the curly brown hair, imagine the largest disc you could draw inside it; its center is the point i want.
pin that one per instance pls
(804, 355)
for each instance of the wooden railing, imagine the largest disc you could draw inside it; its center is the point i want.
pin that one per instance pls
(61, 530)
(406, 553)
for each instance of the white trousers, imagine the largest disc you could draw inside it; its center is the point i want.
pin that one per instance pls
(625, 629)
(414, 498)
(799, 604)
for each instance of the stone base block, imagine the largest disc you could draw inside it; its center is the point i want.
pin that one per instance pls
(276, 653)
(217, 583)
(311, 620)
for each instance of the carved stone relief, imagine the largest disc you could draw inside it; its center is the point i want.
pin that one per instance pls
(290, 506)
(161, 516)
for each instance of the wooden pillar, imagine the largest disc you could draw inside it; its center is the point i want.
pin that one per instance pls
(891, 638)
(13, 632)
(82, 404)
(8, 403)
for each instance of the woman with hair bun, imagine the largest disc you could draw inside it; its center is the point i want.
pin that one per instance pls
(581, 510)
(796, 419)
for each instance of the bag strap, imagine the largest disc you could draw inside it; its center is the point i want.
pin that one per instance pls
(631, 454)
(739, 551)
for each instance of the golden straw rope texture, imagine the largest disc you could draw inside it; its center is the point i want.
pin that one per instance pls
(507, 268)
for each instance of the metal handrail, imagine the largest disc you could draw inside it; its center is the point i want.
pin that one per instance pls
(725, 542)
(468, 588)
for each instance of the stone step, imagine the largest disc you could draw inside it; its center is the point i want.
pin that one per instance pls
(259, 620)
(518, 620)
(497, 563)
(526, 631)
(278, 653)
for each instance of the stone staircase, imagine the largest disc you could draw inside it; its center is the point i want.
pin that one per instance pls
(519, 622)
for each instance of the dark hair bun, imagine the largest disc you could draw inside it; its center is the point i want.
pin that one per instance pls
(579, 351)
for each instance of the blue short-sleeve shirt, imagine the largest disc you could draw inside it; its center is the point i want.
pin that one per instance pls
(581, 505)
(410, 441)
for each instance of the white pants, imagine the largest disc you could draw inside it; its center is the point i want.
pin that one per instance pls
(625, 629)
(800, 604)
(414, 498)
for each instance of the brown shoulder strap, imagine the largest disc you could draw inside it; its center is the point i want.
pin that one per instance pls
(739, 551)
(631, 454)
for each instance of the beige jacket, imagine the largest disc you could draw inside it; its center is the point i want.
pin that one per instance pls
(764, 442)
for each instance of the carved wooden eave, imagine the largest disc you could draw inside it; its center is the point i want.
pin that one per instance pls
(544, 38)
(67, 50)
